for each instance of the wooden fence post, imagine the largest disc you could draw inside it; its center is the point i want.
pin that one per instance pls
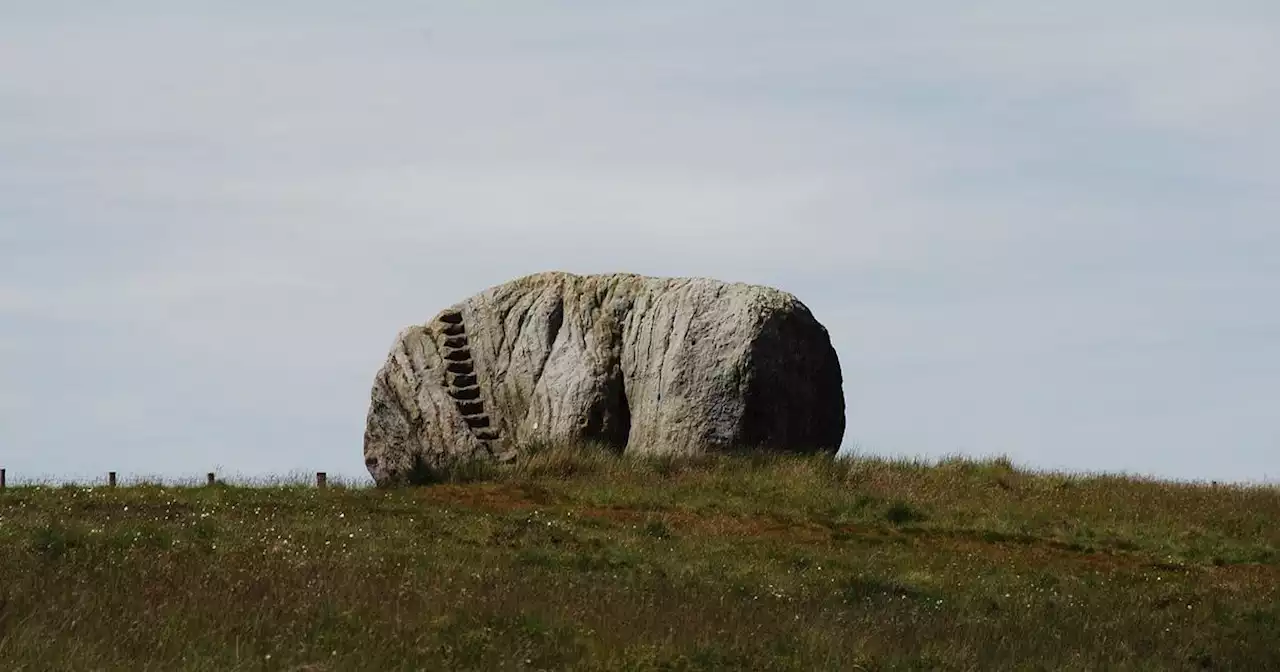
(111, 479)
(322, 479)
(1, 479)
(211, 478)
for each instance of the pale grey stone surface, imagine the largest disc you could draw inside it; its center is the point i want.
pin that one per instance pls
(649, 365)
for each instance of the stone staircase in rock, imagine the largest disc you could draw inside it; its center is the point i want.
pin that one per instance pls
(463, 383)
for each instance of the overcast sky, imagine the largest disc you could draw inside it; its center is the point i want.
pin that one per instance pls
(1042, 229)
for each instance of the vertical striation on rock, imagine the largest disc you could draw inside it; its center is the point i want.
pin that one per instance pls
(644, 364)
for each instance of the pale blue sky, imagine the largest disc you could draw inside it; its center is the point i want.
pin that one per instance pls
(1043, 230)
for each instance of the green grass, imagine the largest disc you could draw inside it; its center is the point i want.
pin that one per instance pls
(578, 559)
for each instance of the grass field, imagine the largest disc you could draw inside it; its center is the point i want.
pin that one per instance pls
(581, 560)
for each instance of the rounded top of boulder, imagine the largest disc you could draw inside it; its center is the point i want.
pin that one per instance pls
(624, 283)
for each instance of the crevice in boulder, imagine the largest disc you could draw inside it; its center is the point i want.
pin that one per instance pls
(623, 430)
(555, 322)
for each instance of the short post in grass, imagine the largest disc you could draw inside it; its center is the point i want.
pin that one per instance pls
(212, 478)
(1, 479)
(322, 479)
(111, 479)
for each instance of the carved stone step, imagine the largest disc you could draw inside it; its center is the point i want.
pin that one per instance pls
(463, 380)
(465, 393)
(455, 342)
(462, 355)
(476, 421)
(454, 330)
(463, 368)
(451, 317)
(470, 407)
(487, 433)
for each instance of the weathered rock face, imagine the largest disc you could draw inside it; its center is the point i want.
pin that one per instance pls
(655, 365)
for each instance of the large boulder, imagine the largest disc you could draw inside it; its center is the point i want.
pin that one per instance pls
(644, 364)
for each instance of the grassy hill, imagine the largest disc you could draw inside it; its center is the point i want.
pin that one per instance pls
(581, 560)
